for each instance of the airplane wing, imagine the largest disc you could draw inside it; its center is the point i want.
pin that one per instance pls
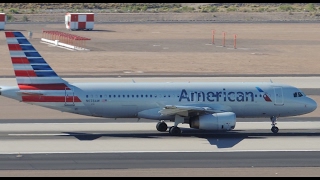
(187, 110)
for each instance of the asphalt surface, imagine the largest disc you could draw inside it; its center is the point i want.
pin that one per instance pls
(159, 160)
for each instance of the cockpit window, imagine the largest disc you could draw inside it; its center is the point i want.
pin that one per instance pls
(298, 94)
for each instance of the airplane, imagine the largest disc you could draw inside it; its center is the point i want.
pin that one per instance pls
(212, 106)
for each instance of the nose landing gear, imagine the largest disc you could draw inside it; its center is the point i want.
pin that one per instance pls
(274, 128)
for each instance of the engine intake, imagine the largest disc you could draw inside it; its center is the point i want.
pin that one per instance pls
(219, 121)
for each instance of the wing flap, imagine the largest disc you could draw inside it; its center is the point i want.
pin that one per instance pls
(185, 110)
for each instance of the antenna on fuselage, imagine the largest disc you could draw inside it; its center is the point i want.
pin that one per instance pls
(133, 81)
(271, 81)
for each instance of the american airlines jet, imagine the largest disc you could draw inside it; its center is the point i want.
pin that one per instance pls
(203, 105)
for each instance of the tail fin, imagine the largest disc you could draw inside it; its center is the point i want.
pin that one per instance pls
(31, 70)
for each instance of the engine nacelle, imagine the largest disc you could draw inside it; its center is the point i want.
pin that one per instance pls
(219, 121)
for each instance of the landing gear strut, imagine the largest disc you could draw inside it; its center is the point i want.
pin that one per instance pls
(175, 130)
(274, 128)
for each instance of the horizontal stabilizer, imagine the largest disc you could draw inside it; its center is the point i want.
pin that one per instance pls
(23, 93)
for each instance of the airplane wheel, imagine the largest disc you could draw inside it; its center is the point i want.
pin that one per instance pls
(162, 126)
(174, 131)
(274, 129)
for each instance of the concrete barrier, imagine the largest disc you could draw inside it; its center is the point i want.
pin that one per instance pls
(63, 45)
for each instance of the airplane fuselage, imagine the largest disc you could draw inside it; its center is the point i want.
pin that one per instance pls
(126, 100)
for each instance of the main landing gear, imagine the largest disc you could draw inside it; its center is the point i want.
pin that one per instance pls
(274, 128)
(173, 130)
(162, 126)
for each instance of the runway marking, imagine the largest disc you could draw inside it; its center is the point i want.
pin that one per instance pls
(38, 134)
(109, 152)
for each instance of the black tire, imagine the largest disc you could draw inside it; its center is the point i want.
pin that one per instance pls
(175, 131)
(162, 126)
(275, 129)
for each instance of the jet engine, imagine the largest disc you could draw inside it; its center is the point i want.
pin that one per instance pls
(218, 121)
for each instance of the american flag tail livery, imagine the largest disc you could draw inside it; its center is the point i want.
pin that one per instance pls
(37, 81)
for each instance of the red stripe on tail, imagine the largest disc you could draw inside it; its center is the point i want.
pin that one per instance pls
(20, 60)
(14, 47)
(25, 73)
(9, 34)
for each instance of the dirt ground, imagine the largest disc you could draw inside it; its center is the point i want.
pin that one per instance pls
(180, 48)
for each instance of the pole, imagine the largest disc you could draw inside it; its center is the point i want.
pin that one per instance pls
(212, 36)
(235, 41)
(224, 39)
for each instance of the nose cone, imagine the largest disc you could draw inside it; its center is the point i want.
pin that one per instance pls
(311, 105)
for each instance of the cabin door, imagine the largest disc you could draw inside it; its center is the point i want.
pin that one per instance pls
(278, 94)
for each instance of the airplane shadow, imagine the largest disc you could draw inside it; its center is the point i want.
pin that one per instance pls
(218, 139)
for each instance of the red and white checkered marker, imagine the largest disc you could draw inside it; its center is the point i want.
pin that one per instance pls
(3, 20)
(79, 21)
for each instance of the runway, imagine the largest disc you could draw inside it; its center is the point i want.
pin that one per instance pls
(143, 137)
(137, 149)
(37, 141)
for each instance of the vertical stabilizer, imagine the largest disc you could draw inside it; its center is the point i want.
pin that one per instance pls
(31, 70)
